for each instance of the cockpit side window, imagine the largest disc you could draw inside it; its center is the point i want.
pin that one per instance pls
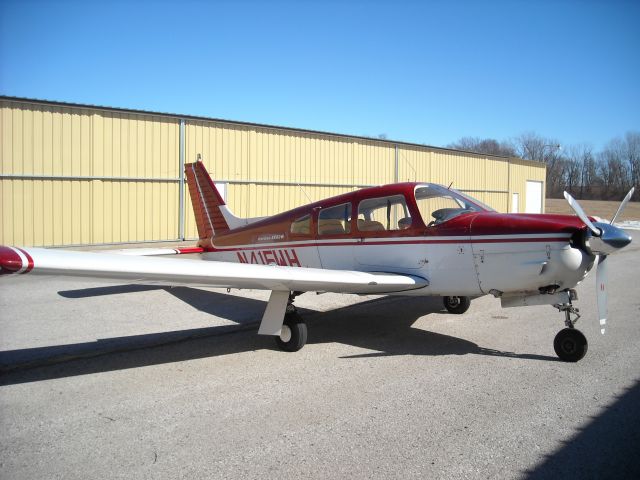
(383, 214)
(438, 204)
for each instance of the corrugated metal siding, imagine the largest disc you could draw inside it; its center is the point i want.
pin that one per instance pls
(236, 153)
(485, 178)
(242, 153)
(136, 159)
(73, 142)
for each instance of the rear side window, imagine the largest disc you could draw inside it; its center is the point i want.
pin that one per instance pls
(301, 225)
(335, 220)
(383, 213)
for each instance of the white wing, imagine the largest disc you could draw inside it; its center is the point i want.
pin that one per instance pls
(166, 271)
(150, 252)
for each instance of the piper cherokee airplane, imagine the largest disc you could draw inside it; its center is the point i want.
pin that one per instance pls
(399, 239)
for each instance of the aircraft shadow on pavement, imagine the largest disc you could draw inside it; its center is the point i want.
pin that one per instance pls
(240, 310)
(606, 448)
(382, 324)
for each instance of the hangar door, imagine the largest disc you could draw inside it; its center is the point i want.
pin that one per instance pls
(514, 202)
(533, 197)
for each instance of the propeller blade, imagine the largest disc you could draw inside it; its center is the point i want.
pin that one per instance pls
(583, 216)
(601, 293)
(623, 204)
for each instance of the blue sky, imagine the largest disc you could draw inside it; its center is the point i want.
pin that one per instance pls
(424, 72)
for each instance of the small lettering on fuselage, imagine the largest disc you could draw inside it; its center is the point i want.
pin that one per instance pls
(270, 237)
(285, 257)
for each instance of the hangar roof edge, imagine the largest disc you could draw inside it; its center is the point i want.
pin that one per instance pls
(262, 125)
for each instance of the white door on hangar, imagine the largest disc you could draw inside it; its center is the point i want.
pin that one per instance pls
(514, 202)
(533, 197)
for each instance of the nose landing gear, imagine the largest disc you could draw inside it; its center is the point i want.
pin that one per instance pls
(570, 344)
(457, 305)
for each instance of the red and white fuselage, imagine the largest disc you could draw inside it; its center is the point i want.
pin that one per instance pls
(475, 252)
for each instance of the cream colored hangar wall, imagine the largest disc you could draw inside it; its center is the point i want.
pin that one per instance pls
(523, 171)
(271, 170)
(483, 177)
(75, 175)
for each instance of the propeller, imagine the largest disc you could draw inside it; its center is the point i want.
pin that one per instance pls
(601, 293)
(623, 204)
(573, 203)
(602, 239)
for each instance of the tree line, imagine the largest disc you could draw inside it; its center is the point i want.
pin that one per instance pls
(606, 174)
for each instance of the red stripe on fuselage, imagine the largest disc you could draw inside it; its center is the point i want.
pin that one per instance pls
(367, 243)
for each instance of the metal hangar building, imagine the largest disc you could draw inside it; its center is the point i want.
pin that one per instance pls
(84, 175)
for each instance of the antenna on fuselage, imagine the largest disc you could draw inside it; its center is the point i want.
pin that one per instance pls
(305, 193)
(449, 187)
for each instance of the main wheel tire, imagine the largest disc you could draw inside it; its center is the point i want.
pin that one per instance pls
(457, 305)
(570, 345)
(294, 333)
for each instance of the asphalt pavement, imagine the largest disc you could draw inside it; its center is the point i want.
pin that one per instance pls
(105, 380)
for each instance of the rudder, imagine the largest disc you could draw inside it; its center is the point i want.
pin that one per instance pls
(206, 200)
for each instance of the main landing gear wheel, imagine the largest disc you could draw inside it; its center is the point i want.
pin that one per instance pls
(457, 305)
(293, 335)
(570, 345)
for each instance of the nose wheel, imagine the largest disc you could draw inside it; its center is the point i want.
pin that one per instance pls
(457, 305)
(570, 344)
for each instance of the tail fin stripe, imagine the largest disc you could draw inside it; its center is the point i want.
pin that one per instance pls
(203, 204)
(207, 203)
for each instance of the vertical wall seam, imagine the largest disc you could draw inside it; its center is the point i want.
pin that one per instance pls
(181, 154)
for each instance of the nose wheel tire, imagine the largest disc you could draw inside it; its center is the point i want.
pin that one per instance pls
(570, 345)
(293, 335)
(457, 305)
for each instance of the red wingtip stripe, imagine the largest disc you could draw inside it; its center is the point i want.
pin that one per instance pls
(190, 249)
(10, 261)
(14, 260)
(29, 260)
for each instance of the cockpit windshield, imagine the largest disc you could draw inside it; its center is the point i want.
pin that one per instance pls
(438, 204)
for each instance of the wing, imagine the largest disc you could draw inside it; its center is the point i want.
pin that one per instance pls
(168, 271)
(150, 252)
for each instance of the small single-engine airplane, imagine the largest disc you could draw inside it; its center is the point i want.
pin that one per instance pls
(399, 239)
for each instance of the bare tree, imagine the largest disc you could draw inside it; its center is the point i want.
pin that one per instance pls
(632, 156)
(613, 169)
(589, 176)
(488, 146)
(582, 171)
(586, 173)
(531, 146)
(572, 171)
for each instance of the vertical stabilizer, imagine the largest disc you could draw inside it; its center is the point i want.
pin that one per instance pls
(207, 201)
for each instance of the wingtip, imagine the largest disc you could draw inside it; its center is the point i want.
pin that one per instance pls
(10, 260)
